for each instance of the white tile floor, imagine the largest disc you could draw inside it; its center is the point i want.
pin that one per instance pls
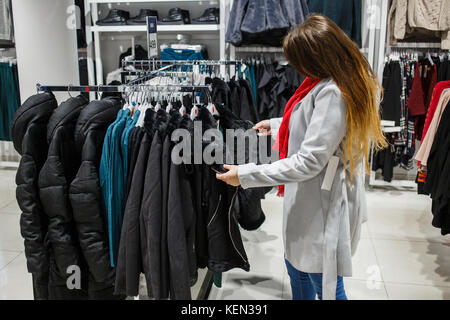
(400, 255)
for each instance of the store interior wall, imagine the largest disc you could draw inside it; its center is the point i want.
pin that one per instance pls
(50, 34)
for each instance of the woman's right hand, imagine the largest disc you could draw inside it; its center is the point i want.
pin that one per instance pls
(263, 127)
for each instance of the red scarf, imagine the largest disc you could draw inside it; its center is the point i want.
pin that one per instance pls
(281, 143)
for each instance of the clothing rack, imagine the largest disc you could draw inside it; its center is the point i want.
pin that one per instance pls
(403, 48)
(122, 88)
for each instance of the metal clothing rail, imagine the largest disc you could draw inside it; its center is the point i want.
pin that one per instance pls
(123, 88)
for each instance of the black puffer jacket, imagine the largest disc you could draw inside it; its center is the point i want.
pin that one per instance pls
(85, 193)
(54, 179)
(29, 128)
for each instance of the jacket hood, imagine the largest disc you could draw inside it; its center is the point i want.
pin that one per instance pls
(36, 109)
(97, 115)
(67, 112)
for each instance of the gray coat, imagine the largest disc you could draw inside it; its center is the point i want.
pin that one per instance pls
(321, 224)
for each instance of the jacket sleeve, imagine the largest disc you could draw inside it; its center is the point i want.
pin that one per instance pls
(85, 197)
(33, 222)
(324, 134)
(53, 189)
(275, 124)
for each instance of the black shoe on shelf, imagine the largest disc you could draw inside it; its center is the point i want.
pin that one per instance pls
(115, 17)
(210, 16)
(141, 17)
(176, 16)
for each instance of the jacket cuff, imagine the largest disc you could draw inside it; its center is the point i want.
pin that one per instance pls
(245, 175)
(275, 124)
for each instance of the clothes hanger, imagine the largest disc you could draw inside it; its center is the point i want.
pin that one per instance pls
(182, 109)
(194, 110)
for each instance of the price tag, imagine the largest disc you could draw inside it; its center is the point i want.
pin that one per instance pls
(152, 41)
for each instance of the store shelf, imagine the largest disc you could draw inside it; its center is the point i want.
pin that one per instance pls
(417, 45)
(140, 1)
(161, 28)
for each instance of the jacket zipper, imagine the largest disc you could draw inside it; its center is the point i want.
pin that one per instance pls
(215, 212)
(229, 224)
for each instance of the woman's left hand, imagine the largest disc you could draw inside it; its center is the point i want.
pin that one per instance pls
(230, 177)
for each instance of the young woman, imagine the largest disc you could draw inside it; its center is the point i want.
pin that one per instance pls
(323, 140)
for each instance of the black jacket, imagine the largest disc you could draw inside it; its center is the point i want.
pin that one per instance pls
(129, 261)
(181, 224)
(54, 179)
(85, 192)
(220, 205)
(29, 128)
(249, 214)
(135, 139)
(151, 208)
(438, 174)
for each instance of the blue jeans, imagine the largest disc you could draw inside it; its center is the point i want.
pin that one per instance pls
(305, 286)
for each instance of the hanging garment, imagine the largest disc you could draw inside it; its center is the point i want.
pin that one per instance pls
(86, 198)
(346, 14)
(55, 177)
(419, 20)
(129, 263)
(431, 15)
(181, 221)
(438, 175)
(9, 98)
(263, 22)
(392, 85)
(249, 214)
(427, 142)
(444, 70)
(385, 159)
(151, 207)
(29, 129)
(441, 86)
(112, 179)
(225, 247)
(135, 139)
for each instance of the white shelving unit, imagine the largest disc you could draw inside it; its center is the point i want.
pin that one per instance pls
(161, 28)
(94, 33)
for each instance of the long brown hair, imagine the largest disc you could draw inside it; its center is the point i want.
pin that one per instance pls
(319, 49)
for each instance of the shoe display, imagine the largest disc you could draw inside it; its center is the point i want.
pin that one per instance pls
(115, 18)
(176, 16)
(210, 16)
(141, 17)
